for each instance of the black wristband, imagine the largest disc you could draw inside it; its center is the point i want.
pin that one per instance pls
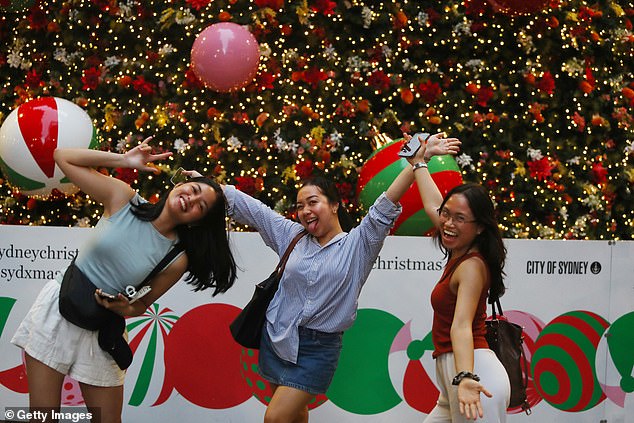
(464, 374)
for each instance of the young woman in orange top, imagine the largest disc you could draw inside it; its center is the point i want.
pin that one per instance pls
(468, 234)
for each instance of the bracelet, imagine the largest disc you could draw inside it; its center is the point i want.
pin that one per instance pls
(418, 165)
(464, 374)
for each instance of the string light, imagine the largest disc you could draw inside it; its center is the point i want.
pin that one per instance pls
(329, 75)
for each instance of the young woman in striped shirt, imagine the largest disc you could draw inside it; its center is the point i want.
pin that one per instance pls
(317, 297)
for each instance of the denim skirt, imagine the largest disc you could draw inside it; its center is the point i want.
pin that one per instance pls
(316, 361)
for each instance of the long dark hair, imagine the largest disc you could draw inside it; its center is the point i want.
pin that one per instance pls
(329, 189)
(206, 242)
(489, 242)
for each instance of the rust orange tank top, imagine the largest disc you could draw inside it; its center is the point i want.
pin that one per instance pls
(443, 302)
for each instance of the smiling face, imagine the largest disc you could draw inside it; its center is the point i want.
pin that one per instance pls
(191, 201)
(458, 227)
(317, 214)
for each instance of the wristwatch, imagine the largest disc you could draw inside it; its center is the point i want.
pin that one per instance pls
(419, 165)
(464, 374)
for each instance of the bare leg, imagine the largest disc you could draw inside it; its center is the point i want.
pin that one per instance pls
(45, 387)
(106, 403)
(288, 405)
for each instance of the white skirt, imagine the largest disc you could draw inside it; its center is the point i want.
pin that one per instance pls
(46, 336)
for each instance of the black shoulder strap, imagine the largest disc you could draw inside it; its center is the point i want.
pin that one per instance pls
(161, 265)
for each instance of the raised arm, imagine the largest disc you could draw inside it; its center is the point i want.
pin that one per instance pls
(78, 165)
(436, 145)
(275, 229)
(400, 185)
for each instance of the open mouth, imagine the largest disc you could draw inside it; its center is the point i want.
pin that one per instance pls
(183, 204)
(311, 223)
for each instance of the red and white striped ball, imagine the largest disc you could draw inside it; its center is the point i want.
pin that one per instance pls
(30, 135)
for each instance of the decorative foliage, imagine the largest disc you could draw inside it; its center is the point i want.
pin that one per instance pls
(543, 101)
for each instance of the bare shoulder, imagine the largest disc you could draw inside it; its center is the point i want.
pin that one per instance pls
(475, 262)
(473, 269)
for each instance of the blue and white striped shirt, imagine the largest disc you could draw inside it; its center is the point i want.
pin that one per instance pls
(320, 285)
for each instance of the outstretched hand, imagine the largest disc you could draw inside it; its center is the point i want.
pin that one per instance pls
(469, 398)
(436, 145)
(141, 155)
(439, 144)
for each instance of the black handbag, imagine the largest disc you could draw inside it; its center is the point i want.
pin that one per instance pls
(506, 340)
(247, 327)
(77, 304)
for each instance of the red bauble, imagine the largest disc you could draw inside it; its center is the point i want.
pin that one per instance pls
(518, 7)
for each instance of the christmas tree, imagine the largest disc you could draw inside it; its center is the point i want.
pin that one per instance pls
(540, 94)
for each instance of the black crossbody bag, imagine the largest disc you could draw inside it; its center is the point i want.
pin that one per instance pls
(77, 304)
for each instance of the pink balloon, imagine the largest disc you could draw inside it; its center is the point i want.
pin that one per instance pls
(225, 56)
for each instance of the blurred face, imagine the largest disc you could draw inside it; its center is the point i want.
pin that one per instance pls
(458, 227)
(191, 201)
(317, 214)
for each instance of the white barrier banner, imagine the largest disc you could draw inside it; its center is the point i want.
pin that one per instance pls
(575, 300)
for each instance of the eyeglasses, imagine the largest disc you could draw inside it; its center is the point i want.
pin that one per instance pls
(457, 219)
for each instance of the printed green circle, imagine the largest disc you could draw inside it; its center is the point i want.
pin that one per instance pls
(362, 383)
